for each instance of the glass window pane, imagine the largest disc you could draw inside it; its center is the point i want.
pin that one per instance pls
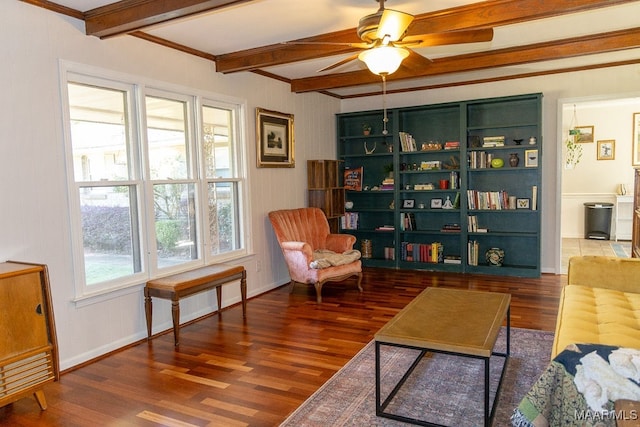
(109, 233)
(99, 134)
(217, 131)
(167, 137)
(175, 223)
(223, 217)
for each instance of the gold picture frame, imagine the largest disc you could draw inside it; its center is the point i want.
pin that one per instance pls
(584, 134)
(274, 138)
(607, 149)
(635, 140)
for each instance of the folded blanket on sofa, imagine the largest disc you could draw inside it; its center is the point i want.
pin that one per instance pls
(323, 258)
(579, 387)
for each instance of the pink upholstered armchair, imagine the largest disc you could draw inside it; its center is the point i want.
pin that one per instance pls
(302, 231)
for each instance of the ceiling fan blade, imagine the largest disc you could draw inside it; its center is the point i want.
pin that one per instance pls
(354, 45)
(415, 62)
(451, 37)
(393, 24)
(339, 63)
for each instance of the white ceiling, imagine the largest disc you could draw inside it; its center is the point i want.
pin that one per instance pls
(265, 22)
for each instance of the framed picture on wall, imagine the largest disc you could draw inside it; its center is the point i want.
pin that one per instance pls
(583, 134)
(274, 137)
(607, 149)
(635, 140)
(531, 158)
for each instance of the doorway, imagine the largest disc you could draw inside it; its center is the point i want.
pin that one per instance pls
(595, 178)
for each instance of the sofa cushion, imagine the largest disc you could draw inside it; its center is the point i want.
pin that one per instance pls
(597, 316)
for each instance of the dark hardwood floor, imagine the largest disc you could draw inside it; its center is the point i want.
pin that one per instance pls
(254, 372)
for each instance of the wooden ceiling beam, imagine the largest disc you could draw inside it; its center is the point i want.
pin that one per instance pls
(538, 52)
(490, 13)
(127, 16)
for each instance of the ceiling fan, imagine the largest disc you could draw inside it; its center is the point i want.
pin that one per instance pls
(386, 41)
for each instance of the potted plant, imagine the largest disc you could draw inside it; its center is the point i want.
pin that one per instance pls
(366, 128)
(573, 150)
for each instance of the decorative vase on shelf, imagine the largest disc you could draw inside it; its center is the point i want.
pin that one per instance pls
(495, 256)
(513, 160)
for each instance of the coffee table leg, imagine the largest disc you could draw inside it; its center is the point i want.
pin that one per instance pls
(487, 383)
(378, 406)
(509, 331)
(175, 313)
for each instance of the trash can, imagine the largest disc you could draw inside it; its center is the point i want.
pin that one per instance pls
(597, 220)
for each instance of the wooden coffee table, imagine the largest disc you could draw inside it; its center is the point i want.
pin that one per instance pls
(449, 321)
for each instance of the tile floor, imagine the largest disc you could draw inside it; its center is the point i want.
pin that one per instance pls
(571, 247)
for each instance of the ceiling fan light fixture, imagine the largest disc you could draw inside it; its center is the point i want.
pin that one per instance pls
(383, 60)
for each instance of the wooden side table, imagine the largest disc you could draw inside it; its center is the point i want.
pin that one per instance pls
(192, 282)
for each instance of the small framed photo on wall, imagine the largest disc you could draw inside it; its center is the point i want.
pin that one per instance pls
(607, 149)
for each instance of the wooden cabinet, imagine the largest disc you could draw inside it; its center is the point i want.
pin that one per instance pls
(324, 190)
(441, 156)
(28, 347)
(635, 238)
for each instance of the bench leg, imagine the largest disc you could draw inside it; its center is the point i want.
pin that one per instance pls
(175, 313)
(148, 311)
(243, 293)
(219, 298)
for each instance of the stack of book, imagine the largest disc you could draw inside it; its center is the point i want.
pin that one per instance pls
(452, 145)
(452, 259)
(407, 221)
(478, 160)
(407, 142)
(387, 184)
(472, 225)
(422, 252)
(472, 252)
(492, 200)
(385, 228)
(389, 253)
(349, 221)
(451, 228)
(493, 141)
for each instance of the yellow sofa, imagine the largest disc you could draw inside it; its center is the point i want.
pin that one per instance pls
(600, 303)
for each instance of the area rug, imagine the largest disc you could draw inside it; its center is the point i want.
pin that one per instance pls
(443, 389)
(621, 250)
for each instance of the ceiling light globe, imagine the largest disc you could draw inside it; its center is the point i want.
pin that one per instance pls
(383, 60)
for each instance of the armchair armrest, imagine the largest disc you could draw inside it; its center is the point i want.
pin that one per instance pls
(340, 243)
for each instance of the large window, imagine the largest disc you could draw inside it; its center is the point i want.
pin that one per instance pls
(155, 181)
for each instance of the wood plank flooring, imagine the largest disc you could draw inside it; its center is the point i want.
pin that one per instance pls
(256, 371)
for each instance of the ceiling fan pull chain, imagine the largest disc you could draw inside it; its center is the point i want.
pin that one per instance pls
(385, 119)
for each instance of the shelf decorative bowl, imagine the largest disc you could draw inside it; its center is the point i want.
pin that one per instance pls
(497, 163)
(495, 256)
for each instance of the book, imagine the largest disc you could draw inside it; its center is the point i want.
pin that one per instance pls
(353, 179)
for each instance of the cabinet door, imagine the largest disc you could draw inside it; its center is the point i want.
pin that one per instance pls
(23, 324)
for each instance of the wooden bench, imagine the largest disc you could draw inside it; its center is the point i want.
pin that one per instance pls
(191, 282)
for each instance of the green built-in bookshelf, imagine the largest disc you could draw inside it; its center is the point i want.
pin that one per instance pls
(449, 182)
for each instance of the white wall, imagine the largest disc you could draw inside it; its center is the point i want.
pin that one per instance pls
(618, 80)
(33, 218)
(593, 180)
